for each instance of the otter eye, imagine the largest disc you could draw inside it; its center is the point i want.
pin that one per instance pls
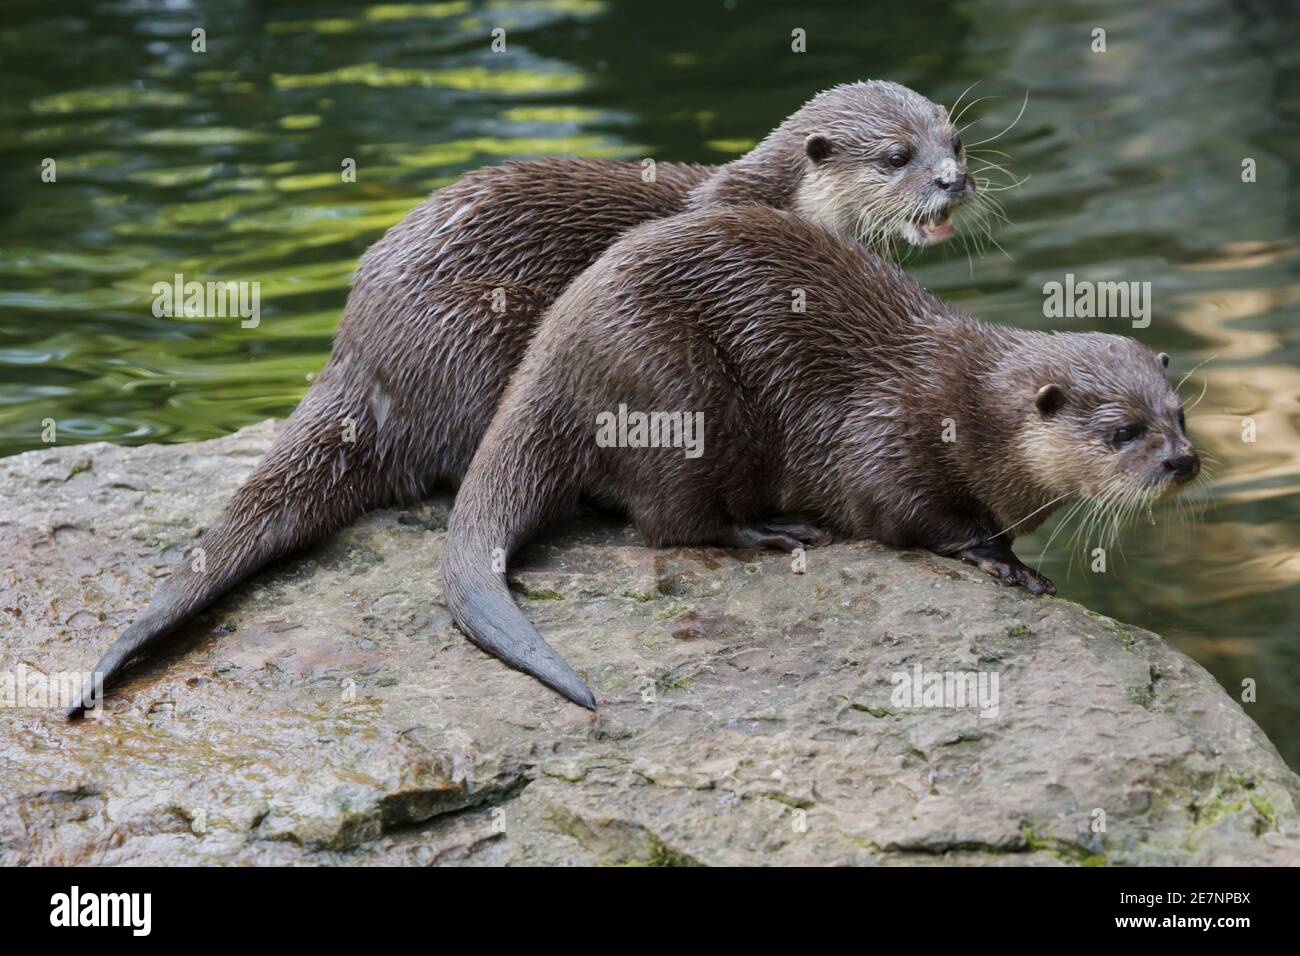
(1182, 421)
(956, 145)
(898, 158)
(1124, 435)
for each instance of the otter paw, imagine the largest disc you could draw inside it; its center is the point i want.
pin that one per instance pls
(1029, 579)
(1010, 572)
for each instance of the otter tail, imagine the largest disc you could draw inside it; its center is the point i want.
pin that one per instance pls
(316, 477)
(508, 494)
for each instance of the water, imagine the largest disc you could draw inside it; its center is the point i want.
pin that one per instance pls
(226, 165)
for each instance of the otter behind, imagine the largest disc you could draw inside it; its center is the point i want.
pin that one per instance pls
(444, 305)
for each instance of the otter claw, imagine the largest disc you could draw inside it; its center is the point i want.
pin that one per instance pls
(1029, 579)
(999, 561)
(780, 534)
(807, 534)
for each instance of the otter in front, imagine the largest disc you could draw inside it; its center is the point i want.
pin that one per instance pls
(878, 411)
(444, 305)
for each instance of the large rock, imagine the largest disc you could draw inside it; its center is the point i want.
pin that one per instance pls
(330, 712)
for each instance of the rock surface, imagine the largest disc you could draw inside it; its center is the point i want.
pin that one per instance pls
(329, 712)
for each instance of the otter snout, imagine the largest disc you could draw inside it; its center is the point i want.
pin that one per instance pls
(952, 181)
(949, 176)
(1183, 468)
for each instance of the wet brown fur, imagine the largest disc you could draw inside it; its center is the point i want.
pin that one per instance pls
(838, 411)
(421, 359)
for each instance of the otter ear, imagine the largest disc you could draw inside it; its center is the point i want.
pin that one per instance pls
(1049, 400)
(1164, 359)
(818, 147)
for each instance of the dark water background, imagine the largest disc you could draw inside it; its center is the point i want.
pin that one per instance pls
(225, 165)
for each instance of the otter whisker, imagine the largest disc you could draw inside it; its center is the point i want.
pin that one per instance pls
(1070, 513)
(1195, 499)
(883, 231)
(1186, 504)
(974, 218)
(1085, 519)
(986, 199)
(987, 182)
(1096, 507)
(1205, 388)
(908, 213)
(992, 207)
(1099, 506)
(873, 232)
(1182, 380)
(1116, 518)
(983, 233)
(1138, 501)
(987, 186)
(1031, 514)
(965, 245)
(991, 96)
(989, 232)
(1200, 499)
(1107, 515)
(991, 210)
(981, 210)
(1181, 506)
(1009, 128)
(988, 164)
(964, 92)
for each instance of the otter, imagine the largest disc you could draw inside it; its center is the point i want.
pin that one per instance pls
(443, 306)
(878, 412)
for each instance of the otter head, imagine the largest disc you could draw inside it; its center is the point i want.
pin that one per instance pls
(881, 163)
(1103, 425)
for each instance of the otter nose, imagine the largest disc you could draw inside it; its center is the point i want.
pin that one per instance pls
(953, 183)
(1184, 467)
